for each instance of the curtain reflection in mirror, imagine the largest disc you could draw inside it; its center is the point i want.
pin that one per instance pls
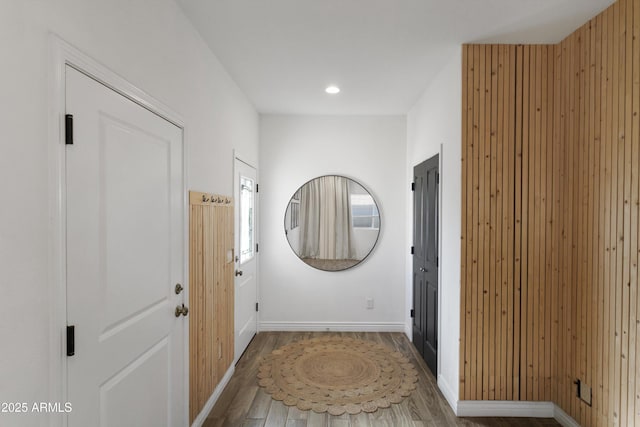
(326, 230)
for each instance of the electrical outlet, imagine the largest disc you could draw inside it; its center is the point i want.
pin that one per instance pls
(369, 303)
(585, 393)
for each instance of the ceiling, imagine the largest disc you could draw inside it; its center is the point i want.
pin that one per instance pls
(381, 53)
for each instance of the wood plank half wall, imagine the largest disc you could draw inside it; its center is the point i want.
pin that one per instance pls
(211, 295)
(550, 213)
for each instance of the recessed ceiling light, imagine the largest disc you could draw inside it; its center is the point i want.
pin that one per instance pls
(332, 90)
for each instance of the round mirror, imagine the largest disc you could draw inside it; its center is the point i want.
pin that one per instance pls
(332, 223)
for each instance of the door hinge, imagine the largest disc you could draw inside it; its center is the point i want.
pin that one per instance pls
(437, 261)
(71, 340)
(257, 306)
(413, 313)
(257, 248)
(68, 129)
(413, 249)
(413, 186)
(437, 177)
(257, 188)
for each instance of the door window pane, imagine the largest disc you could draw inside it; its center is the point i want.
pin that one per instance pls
(246, 219)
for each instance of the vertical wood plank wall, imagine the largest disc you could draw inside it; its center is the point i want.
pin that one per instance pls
(211, 296)
(550, 220)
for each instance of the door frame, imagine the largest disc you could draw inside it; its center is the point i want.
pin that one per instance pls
(239, 157)
(62, 54)
(409, 331)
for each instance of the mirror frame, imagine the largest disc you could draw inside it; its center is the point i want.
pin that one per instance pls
(373, 246)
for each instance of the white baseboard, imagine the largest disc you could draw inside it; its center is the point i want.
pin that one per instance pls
(503, 408)
(448, 393)
(564, 418)
(202, 416)
(491, 408)
(333, 326)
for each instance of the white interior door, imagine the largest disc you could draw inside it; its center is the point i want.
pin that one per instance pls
(246, 283)
(124, 193)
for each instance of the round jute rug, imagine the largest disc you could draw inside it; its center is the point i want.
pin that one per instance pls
(337, 375)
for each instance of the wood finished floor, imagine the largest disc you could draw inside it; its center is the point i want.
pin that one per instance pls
(243, 403)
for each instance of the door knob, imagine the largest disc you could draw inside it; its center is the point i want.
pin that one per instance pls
(182, 310)
(179, 288)
(238, 272)
(424, 270)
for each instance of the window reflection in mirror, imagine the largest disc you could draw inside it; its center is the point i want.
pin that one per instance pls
(332, 223)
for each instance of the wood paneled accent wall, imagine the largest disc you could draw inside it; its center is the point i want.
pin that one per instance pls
(508, 183)
(550, 220)
(211, 295)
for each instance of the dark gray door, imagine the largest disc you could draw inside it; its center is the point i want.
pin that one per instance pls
(425, 261)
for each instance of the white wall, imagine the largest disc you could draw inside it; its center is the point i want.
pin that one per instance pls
(151, 44)
(434, 124)
(295, 149)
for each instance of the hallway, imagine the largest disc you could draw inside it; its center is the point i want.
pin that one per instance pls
(244, 403)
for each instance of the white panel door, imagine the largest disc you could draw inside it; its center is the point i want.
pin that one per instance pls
(246, 282)
(124, 192)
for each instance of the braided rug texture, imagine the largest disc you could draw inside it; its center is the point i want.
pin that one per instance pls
(337, 375)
